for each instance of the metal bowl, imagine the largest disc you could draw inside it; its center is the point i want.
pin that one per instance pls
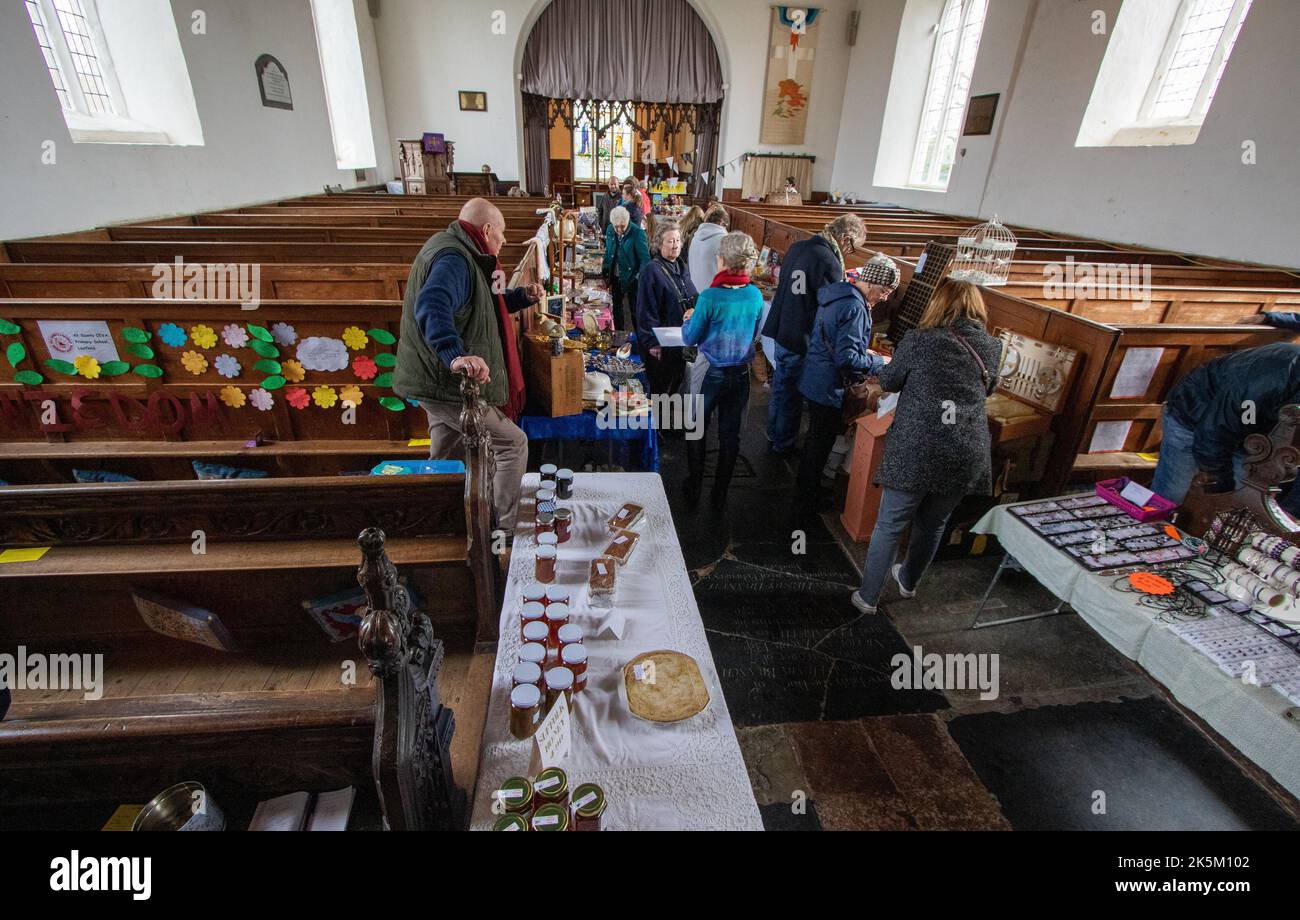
(174, 810)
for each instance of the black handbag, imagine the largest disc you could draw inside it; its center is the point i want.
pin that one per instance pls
(861, 394)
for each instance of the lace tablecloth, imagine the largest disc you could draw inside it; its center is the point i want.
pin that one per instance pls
(682, 776)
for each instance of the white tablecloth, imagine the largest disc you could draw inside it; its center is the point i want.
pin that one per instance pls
(686, 775)
(1252, 718)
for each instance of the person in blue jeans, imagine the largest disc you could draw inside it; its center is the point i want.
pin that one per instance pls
(809, 266)
(1209, 413)
(724, 324)
(939, 449)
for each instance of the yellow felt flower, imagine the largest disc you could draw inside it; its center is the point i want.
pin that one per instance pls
(194, 362)
(203, 336)
(355, 338)
(87, 367)
(351, 394)
(292, 371)
(324, 397)
(233, 397)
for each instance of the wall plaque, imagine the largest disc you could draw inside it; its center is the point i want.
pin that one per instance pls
(273, 83)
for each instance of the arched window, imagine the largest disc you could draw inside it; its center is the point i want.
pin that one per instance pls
(956, 43)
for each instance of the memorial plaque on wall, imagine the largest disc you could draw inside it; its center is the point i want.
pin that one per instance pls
(273, 83)
(979, 115)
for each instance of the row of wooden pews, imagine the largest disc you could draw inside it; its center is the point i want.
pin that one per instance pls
(293, 389)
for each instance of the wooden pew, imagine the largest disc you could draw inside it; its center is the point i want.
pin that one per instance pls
(308, 282)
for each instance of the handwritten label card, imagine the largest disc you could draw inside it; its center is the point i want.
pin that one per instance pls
(613, 625)
(554, 737)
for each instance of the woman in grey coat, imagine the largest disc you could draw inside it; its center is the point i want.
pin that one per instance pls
(939, 450)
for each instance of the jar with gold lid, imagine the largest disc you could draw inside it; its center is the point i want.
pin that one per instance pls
(557, 616)
(558, 680)
(588, 807)
(525, 710)
(551, 787)
(551, 818)
(545, 524)
(510, 823)
(515, 796)
(574, 657)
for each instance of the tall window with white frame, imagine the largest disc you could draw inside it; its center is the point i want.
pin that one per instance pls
(1193, 60)
(956, 44)
(71, 40)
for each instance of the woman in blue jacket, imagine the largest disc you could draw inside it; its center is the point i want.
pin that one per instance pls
(838, 351)
(626, 253)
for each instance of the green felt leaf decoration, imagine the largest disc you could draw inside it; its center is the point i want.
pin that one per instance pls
(259, 332)
(137, 336)
(31, 378)
(384, 359)
(140, 350)
(273, 383)
(151, 371)
(263, 349)
(15, 353)
(267, 366)
(392, 403)
(61, 367)
(114, 368)
(384, 380)
(8, 328)
(382, 336)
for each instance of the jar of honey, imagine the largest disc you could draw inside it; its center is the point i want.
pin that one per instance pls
(557, 615)
(588, 807)
(537, 631)
(551, 787)
(510, 823)
(534, 594)
(527, 672)
(545, 565)
(525, 710)
(559, 681)
(548, 539)
(551, 818)
(574, 657)
(570, 634)
(564, 484)
(545, 524)
(516, 796)
(531, 612)
(533, 652)
(563, 523)
(557, 594)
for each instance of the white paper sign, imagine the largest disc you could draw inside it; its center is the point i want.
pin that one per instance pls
(1135, 372)
(69, 339)
(669, 336)
(554, 736)
(1109, 436)
(1136, 493)
(613, 625)
(888, 403)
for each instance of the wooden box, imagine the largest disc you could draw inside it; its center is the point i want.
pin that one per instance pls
(554, 384)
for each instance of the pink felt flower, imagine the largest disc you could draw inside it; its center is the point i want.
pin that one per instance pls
(297, 397)
(364, 367)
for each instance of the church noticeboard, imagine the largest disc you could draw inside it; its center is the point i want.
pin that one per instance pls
(792, 46)
(273, 83)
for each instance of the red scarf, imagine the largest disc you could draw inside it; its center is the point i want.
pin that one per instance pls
(514, 406)
(724, 278)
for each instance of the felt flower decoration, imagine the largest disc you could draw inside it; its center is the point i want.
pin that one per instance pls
(355, 338)
(261, 399)
(233, 397)
(364, 367)
(203, 336)
(87, 367)
(194, 362)
(325, 397)
(284, 334)
(297, 397)
(235, 336)
(351, 394)
(172, 335)
(292, 371)
(227, 366)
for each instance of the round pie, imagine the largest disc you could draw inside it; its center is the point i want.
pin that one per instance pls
(665, 686)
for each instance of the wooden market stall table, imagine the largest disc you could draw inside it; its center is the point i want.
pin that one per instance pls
(1260, 721)
(686, 775)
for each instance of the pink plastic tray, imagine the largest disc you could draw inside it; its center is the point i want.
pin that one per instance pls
(1160, 508)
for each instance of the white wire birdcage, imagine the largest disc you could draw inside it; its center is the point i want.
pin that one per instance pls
(984, 254)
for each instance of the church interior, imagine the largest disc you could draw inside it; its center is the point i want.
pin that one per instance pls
(649, 415)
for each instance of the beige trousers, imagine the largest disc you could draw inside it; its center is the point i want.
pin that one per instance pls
(509, 447)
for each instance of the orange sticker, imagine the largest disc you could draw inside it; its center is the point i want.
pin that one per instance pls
(1172, 532)
(1150, 583)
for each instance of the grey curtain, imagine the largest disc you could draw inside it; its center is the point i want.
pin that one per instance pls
(643, 50)
(706, 150)
(537, 156)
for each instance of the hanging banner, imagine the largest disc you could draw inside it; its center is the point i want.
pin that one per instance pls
(791, 50)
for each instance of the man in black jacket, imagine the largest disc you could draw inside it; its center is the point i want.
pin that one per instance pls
(1210, 411)
(809, 264)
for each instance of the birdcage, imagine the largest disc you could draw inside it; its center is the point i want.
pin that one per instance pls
(984, 254)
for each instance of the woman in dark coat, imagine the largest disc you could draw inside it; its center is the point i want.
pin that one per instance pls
(664, 294)
(939, 450)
